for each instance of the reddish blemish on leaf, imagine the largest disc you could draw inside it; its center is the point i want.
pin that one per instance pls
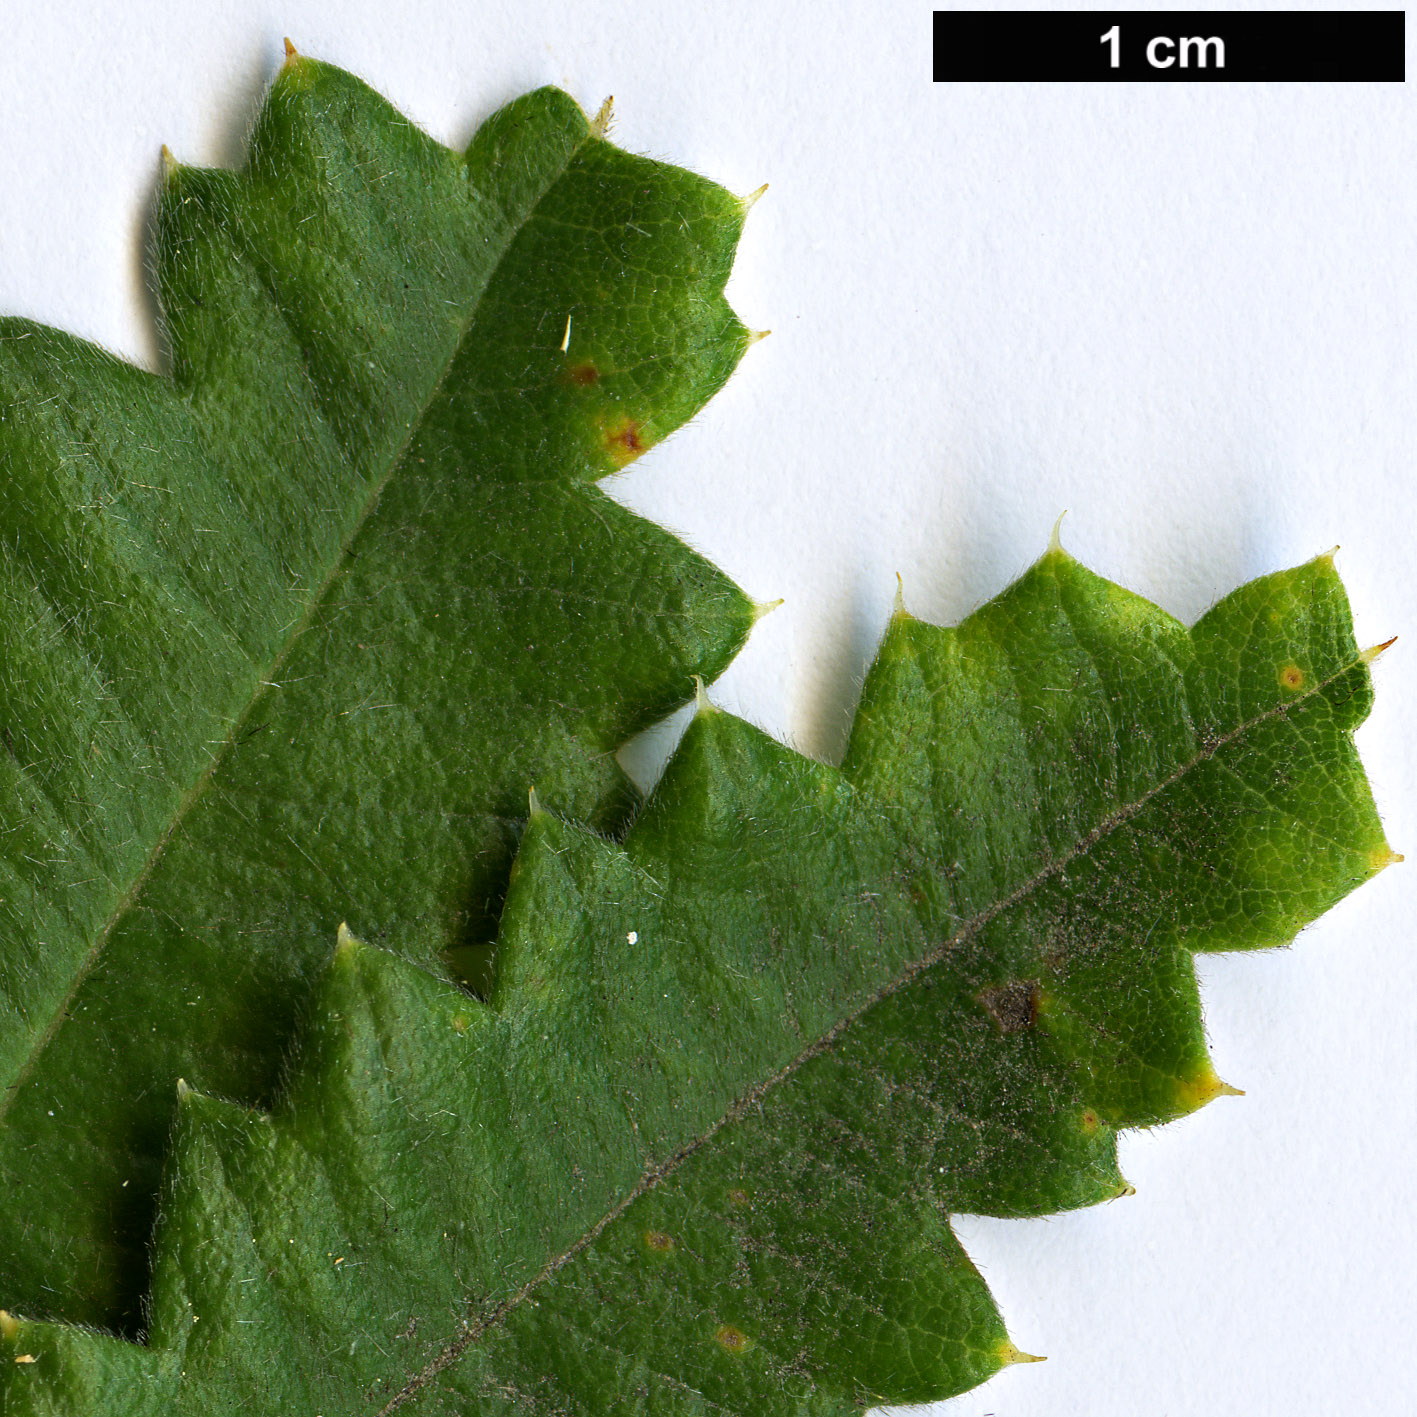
(1012, 1006)
(583, 374)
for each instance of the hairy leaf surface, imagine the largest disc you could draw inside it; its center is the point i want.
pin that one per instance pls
(287, 633)
(697, 1151)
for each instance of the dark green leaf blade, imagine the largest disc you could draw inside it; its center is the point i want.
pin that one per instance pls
(289, 635)
(697, 1152)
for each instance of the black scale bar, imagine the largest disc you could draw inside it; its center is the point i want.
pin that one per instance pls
(1170, 46)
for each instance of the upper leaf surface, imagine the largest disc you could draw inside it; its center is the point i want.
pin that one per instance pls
(288, 633)
(695, 1155)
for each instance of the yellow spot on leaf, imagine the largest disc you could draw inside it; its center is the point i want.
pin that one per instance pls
(659, 1242)
(734, 1340)
(9, 1324)
(1291, 677)
(459, 1023)
(738, 1196)
(1090, 1121)
(25, 1358)
(624, 439)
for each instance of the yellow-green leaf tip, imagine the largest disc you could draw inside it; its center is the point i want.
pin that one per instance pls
(1008, 1354)
(751, 200)
(898, 610)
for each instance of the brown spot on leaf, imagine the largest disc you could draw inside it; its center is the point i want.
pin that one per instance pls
(738, 1196)
(659, 1242)
(1012, 1006)
(583, 375)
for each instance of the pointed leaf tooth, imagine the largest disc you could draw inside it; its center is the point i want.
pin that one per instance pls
(604, 117)
(898, 606)
(1009, 1355)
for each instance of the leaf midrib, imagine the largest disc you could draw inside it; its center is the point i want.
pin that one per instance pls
(661, 1171)
(266, 677)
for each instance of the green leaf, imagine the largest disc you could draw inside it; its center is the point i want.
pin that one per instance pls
(288, 632)
(697, 1151)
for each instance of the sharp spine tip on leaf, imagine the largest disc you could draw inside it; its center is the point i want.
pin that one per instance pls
(898, 607)
(183, 1091)
(1329, 554)
(1126, 1189)
(1203, 1087)
(756, 337)
(1373, 651)
(169, 163)
(1009, 1354)
(1055, 539)
(701, 698)
(346, 941)
(291, 52)
(753, 197)
(764, 607)
(600, 124)
(533, 803)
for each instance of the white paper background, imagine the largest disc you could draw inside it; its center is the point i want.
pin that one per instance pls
(1186, 314)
